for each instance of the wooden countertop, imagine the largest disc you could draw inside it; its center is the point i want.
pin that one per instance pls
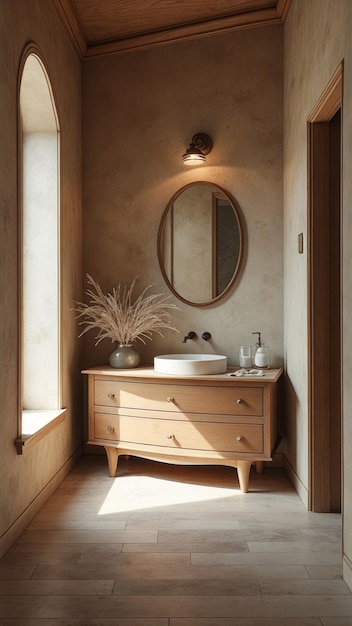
(148, 373)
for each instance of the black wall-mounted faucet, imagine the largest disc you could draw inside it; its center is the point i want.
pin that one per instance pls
(206, 336)
(191, 335)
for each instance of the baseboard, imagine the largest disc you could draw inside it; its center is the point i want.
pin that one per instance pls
(277, 460)
(19, 526)
(302, 491)
(347, 571)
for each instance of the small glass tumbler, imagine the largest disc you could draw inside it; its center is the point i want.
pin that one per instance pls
(246, 358)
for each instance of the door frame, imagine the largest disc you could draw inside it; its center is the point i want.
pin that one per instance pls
(322, 472)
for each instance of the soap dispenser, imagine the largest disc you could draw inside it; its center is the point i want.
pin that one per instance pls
(262, 354)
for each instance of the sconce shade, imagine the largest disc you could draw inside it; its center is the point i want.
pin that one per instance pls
(200, 145)
(193, 155)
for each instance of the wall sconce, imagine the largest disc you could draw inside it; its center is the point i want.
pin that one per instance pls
(200, 145)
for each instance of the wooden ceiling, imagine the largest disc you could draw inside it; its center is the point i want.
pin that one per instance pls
(102, 27)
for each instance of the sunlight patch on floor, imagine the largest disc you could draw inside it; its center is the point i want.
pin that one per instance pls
(132, 493)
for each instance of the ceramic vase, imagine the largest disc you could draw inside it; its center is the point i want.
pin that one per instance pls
(124, 356)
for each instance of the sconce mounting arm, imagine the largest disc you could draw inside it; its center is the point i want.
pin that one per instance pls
(203, 142)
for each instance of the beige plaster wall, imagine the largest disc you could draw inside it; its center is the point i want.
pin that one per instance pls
(23, 478)
(140, 112)
(318, 36)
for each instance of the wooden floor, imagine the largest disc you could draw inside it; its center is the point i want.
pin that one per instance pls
(163, 545)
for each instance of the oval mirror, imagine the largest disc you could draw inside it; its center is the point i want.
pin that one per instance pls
(200, 243)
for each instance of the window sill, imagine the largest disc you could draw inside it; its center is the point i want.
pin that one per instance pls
(36, 425)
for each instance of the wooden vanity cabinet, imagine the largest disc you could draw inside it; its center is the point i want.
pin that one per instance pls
(217, 420)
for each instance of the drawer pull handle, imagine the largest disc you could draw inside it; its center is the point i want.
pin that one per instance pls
(170, 399)
(239, 401)
(170, 436)
(111, 395)
(239, 438)
(110, 429)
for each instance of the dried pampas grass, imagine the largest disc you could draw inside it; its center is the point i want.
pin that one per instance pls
(119, 319)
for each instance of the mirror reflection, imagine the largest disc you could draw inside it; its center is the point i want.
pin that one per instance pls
(200, 243)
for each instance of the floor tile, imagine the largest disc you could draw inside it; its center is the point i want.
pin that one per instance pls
(175, 606)
(186, 524)
(320, 572)
(76, 548)
(246, 621)
(218, 547)
(179, 587)
(306, 587)
(14, 572)
(80, 525)
(336, 621)
(114, 621)
(294, 546)
(41, 558)
(56, 587)
(88, 536)
(308, 559)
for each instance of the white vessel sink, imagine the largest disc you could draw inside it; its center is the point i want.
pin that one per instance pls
(190, 364)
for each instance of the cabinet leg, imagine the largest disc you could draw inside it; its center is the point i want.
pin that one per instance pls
(243, 470)
(259, 467)
(113, 459)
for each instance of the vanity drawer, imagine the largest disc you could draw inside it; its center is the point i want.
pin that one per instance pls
(245, 438)
(212, 399)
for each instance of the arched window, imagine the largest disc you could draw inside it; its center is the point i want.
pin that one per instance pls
(40, 276)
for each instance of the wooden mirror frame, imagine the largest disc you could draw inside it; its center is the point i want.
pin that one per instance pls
(219, 192)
